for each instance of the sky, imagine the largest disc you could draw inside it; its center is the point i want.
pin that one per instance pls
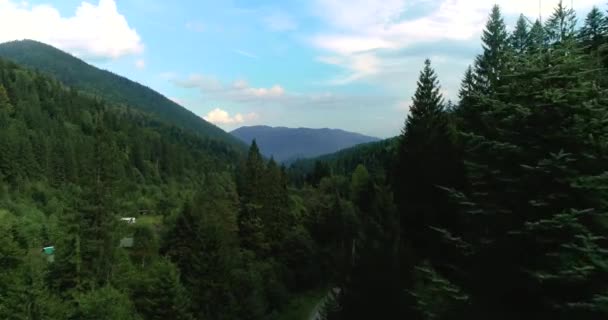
(347, 64)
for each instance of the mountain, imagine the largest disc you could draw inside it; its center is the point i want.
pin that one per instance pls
(50, 133)
(289, 144)
(113, 88)
(377, 157)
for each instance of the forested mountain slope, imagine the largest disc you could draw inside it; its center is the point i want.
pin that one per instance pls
(494, 208)
(197, 243)
(113, 88)
(288, 144)
(378, 157)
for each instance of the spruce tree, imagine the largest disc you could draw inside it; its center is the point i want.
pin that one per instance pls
(537, 37)
(520, 38)
(467, 96)
(490, 65)
(427, 161)
(97, 208)
(561, 25)
(158, 293)
(251, 192)
(275, 203)
(594, 31)
(536, 184)
(11, 263)
(375, 287)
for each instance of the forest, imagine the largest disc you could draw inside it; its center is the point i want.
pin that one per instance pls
(490, 207)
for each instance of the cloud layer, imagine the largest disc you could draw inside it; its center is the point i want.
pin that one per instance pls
(94, 31)
(237, 91)
(361, 32)
(222, 117)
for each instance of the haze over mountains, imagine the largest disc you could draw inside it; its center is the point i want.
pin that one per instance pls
(288, 144)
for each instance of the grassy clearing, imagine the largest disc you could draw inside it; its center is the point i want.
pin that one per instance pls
(150, 220)
(300, 306)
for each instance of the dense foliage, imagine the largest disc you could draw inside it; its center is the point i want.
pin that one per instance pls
(501, 208)
(203, 244)
(494, 208)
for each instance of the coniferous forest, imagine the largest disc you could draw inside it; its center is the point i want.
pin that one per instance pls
(494, 206)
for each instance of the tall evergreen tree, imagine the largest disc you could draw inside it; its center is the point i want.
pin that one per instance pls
(594, 31)
(536, 183)
(520, 38)
(561, 25)
(159, 294)
(537, 37)
(427, 161)
(251, 192)
(275, 203)
(98, 210)
(375, 286)
(467, 96)
(490, 65)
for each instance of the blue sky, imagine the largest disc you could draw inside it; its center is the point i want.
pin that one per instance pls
(349, 64)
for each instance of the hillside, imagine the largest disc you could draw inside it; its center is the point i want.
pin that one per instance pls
(114, 88)
(287, 144)
(72, 166)
(377, 156)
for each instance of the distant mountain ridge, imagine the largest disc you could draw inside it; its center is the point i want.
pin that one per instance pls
(289, 144)
(114, 88)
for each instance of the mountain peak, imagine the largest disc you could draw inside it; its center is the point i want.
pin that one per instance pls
(117, 89)
(288, 144)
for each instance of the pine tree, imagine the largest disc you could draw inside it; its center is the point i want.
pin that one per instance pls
(202, 241)
(65, 274)
(537, 180)
(275, 204)
(6, 108)
(593, 33)
(374, 287)
(158, 293)
(561, 25)
(251, 192)
(105, 303)
(427, 100)
(11, 263)
(97, 208)
(520, 39)
(537, 37)
(428, 160)
(466, 95)
(490, 65)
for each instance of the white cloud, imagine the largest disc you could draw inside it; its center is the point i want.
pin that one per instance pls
(222, 117)
(239, 90)
(140, 64)
(94, 31)
(359, 29)
(241, 93)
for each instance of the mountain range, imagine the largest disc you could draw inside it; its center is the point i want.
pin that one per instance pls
(76, 73)
(284, 144)
(290, 144)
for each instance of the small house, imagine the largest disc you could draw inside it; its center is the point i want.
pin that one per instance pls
(49, 252)
(126, 242)
(129, 220)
